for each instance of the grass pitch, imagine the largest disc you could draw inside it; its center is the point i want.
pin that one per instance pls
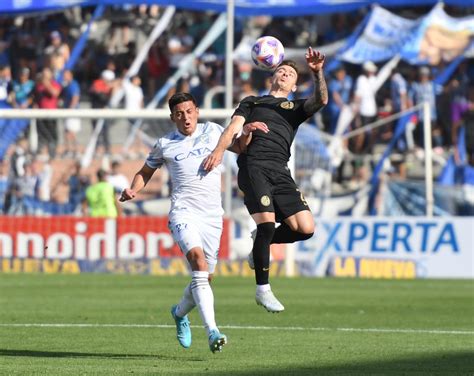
(330, 327)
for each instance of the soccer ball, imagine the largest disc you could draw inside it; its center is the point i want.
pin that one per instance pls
(267, 52)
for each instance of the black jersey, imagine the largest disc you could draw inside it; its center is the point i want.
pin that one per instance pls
(282, 117)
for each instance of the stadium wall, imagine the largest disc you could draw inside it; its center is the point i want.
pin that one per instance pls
(400, 248)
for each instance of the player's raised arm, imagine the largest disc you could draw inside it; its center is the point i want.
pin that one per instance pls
(140, 180)
(225, 141)
(319, 99)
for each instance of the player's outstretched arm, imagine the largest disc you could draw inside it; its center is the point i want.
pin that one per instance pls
(139, 181)
(240, 145)
(319, 99)
(225, 141)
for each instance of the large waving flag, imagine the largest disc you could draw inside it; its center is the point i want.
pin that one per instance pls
(434, 38)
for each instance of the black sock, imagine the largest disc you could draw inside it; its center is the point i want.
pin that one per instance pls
(284, 234)
(261, 251)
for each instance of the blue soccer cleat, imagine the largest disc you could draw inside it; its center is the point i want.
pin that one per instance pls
(183, 329)
(216, 340)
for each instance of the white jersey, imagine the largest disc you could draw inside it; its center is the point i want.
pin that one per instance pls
(193, 191)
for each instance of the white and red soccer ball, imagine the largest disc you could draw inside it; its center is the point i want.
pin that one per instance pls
(267, 52)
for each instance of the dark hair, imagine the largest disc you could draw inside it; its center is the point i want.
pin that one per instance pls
(180, 98)
(101, 174)
(290, 63)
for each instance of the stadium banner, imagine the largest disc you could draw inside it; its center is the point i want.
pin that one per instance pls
(431, 39)
(67, 244)
(390, 247)
(382, 38)
(439, 38)
(365, 247)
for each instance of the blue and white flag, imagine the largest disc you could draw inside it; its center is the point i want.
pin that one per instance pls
(432, 39)
(439, 38)
(382, 38)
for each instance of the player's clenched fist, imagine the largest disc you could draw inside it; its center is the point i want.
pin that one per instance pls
(127, 194)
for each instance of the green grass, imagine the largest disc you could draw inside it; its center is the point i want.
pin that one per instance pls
(327, 304)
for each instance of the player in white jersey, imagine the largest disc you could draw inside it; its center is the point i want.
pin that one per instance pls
(195, 217)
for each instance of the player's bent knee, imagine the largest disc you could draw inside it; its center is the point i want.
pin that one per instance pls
(306, 228)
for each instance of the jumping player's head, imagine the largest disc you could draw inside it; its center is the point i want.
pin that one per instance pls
(285, 77)
(184, 112)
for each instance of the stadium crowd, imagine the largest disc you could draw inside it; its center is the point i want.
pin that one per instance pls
(34, 52)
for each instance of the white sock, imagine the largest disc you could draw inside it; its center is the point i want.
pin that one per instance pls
(263, 288)
(204, 299)
(187, 302)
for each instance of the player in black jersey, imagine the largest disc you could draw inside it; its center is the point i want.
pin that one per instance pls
(270, 193)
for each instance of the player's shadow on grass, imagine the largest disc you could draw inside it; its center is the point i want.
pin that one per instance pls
(439, 364)
(71, 354)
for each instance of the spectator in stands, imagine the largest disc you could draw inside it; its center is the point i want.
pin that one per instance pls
(18, 158)
(134, 101)
(3, 184)
(398, 92)
(57, 53)
(16, 171)
(71, 94)
(365, 90)
(25, 187)
(43, 170)
(246, 90)
(463, 118)
(425, 90)
(101, 91)
(5, 86)
(100, 198)
(152, 10)
(267, 84)
(340, 87)
(133, 93)
(23, 90)
(118, 180)
(77, 183)
(179, 45)
(24, 50)
(158, 66)
(122, 18)
(450, 93)
(47, 91)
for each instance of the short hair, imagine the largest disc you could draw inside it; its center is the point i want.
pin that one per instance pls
(290, 63)
(101, 174)
(180, 98)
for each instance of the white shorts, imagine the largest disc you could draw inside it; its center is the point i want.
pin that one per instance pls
(190, 233)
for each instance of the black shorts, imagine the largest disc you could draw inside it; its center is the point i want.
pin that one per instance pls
(270, 190)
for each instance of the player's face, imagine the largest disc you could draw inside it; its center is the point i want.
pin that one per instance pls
(185, 116)
(285, 78)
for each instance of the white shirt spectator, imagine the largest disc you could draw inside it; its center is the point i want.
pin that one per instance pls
(118, 181)
(366, 88)
(179, 46)
(133, 96)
